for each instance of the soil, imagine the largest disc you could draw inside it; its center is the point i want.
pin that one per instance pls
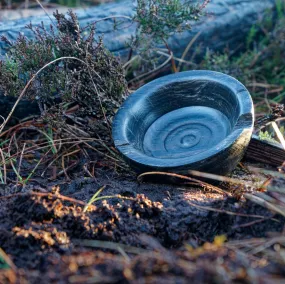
(147, 233)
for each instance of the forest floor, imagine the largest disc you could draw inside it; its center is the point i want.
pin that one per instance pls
(140, 232)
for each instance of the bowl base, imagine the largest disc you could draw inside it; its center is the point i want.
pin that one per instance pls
(186, 131)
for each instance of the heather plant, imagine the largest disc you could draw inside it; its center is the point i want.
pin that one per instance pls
(95, 81)
(88, 74)
(156, 21)
(78, 85)
(159, 19)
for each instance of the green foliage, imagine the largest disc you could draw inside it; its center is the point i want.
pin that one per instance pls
(261, 67)
(222, 62)
(158, 19)
(162, 18)
(9, 77)
(266, 136)
(280, 7)
(251, 36)
(3, 264)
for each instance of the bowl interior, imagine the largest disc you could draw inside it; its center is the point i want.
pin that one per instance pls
(182, 118)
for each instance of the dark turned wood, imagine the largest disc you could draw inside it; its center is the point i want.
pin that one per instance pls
(194, 120)
(265, 152)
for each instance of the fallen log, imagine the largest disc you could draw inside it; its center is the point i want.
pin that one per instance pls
(265, 152)
(226, 25)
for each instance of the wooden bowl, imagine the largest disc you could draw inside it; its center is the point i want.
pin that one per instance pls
(194, 120)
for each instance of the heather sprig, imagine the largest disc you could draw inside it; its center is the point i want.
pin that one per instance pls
(159, 19)
(156, 21)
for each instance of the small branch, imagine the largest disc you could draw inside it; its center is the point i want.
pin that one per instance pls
(180, 60)
(187, 49)
(110, 245)
(183, 178)
(49, 195)
(107, 18)
(264, 203)
(279, 134)
(46, 12)
(174, 69)
(151, 71)
(130, 61)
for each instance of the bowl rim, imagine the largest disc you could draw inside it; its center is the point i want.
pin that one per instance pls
(244, 123)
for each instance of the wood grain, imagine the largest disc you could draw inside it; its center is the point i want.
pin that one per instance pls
(265, 152)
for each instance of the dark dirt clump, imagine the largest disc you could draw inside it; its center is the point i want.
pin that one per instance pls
(47, 233)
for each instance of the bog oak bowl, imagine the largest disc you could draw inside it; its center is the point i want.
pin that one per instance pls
(194, 120)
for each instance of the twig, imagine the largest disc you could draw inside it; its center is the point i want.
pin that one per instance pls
(48, 194)
(279, 134)
(177, 59)
(267, 244)
(264, 203)
(110, 245)
(130, 61)
(58, 157)
(34, 169)
(66, 169)
(196, 181)
(107, 18)
(187, 49)
(151, 71)
(46, 12)
(14, 127)
(171, 55)
(216, 177)
(4, 166)
(253, 223)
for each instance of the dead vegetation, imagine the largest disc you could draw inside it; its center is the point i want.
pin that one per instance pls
(78, 86)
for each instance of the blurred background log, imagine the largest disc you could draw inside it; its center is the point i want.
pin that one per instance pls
(226, 25)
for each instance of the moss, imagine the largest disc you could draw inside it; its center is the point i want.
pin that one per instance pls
(265, 135)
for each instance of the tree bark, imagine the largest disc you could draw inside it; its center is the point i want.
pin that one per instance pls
(226, 25)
